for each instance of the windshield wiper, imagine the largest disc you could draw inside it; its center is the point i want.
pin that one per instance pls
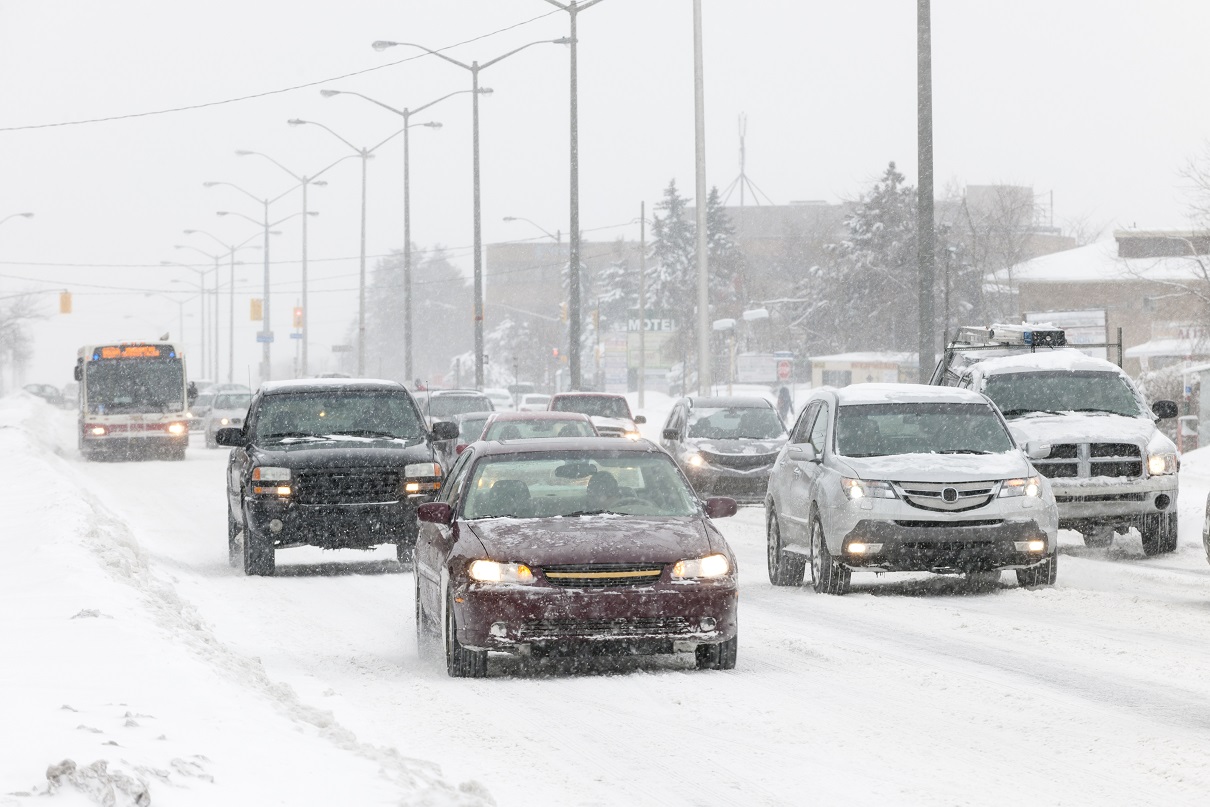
(1098, 411)
(963, 451)
(1013, 413)
(287, 435)
(368, 433)
(586, 513)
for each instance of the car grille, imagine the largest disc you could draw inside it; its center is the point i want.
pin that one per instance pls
(948, 497)
(347, 486)
(603, 575)
(604, 628)
(1083, 460)
(951, 525)
(739, 461)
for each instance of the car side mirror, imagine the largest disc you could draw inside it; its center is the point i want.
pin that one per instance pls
(804, 452)
(230, 437)
(460, 448)
(445, 430)
(435, 513)
(1036, 450)
(639, 420)
(721, 507)
(1165, 409)
(672, 434)
(78, 373)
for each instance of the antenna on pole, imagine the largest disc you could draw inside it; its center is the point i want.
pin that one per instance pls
(743, 182)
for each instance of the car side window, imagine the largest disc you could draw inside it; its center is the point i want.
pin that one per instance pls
(819, 430)
(802, 429)
(458, 475)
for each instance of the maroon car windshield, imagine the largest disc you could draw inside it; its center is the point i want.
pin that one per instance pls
(577, 483)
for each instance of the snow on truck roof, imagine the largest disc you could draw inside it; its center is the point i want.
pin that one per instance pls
(1056, 359)
(328, 384)
(857, 394)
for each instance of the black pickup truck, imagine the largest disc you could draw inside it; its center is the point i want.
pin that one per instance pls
(332, 463)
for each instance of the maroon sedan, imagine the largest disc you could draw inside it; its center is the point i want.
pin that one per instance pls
(567, 546)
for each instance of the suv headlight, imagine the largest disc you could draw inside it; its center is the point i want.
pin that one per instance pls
(1161, 464)
(489, 571)
(701, 568)
(1026, 486)
(269, 480)
(865, 489)
(696, 460)
(421, 477)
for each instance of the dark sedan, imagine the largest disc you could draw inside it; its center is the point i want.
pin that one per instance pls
(725, 445)
(573, 545)
(332, 463)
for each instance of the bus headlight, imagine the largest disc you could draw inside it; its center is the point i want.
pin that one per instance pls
(177, 428)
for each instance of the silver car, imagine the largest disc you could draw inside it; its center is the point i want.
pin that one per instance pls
(228, 409)
(907, 477)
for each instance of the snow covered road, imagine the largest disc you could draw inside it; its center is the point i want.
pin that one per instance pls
(910, 690)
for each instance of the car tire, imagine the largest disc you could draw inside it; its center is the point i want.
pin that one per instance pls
(1158, 532)
(719, 656)
(1099, 537)
(827, 576)
(1043, 574)
(259, 556)
(425, 636)
(785, 568)
(459, 661)
(233, 531)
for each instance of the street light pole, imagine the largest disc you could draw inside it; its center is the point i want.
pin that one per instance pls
(473, 68)
(305, 182)
(703, 270)
(208, 368)
(406, 113)
(231, 249)
(574, 313)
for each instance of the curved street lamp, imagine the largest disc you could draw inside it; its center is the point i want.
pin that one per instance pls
(16, 215)
(558, 236)
(365, 154)
(473, 68)
(406, 114)
(231, 249)
(266, 335)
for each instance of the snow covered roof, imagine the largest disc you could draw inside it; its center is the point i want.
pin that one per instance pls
(1060, 359)
(904, 393)
(1100, 262)
(1169, 347)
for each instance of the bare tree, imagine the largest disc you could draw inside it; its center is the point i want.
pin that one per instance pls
(15, 340)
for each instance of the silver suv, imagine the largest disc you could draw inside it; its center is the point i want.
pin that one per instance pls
(907, 477)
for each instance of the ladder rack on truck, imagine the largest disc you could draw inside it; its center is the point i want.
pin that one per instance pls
(1009, 339)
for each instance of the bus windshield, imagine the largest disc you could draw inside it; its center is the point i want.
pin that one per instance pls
(123, 386)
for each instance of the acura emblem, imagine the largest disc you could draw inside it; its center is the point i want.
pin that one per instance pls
(949, 494)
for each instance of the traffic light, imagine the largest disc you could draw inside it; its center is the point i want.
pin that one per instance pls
(298, 320)
(258, 310)
(65, 302)
(554, 352)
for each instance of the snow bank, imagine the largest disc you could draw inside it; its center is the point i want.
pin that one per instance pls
(117, 692)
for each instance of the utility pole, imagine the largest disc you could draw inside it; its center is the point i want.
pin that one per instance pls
(703, 269)
(925, 246)
(642, 299)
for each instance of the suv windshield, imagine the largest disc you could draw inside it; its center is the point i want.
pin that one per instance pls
(736, 423)
(593, 405)
(1062, 391)
(567, 483)
(368, 413)
(875, 430)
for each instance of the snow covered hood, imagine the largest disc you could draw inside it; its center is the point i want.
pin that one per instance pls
(1081, 427)
(745, 446)
(939, 467)
(592, 539)
(605, 424)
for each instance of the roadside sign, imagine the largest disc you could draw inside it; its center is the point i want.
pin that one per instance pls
(785, 369)
(265, 336)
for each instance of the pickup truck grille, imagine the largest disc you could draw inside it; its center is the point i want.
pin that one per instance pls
(1083, 460)
(347, 486)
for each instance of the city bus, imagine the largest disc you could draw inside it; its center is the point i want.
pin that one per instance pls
(134, 400)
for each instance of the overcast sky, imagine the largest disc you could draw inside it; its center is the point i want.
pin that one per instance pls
(1098, 102)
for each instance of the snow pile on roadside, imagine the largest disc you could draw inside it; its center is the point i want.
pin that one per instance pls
(114, 688)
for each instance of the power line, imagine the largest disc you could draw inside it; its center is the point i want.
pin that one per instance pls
(268, 93)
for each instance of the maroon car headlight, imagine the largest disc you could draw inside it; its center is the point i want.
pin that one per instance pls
(489, 571)
(706, 568)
